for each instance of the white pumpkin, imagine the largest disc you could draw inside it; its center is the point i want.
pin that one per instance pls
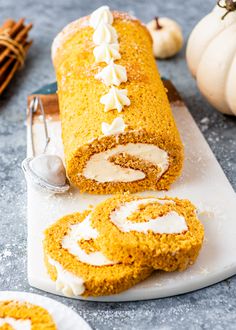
(211, 57)
(167, 37)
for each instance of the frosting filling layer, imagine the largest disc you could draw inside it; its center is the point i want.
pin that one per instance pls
(16, 324)
(170, 223)
(101, 169)
(84, 231)
(66, 282)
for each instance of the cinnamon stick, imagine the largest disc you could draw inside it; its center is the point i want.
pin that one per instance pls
(19, 33)
(13, 43)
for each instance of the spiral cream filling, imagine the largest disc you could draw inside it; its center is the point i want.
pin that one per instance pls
(66, 282)
(16, 324)
(170, 223)
(101, 169)
(84, 231)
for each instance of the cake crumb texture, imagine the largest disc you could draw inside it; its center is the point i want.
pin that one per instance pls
(167, 252)
(98, 280)
(39, 317)
(148, 119)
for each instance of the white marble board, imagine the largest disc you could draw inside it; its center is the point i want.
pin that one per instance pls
(202, 181)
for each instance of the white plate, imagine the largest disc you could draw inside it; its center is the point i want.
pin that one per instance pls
(202, 181)
(63, 316)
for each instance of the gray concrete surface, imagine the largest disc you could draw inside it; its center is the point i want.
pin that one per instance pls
(210, 308)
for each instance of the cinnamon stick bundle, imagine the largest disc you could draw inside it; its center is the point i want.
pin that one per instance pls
(13, 48)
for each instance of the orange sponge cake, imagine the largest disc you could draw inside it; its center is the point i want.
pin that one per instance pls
(23, 315)
(120, 242)
(163, 233)
(77, 266)
(118, 130)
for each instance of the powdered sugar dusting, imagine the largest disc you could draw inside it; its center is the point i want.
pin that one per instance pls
(68, 30)
(83, 22)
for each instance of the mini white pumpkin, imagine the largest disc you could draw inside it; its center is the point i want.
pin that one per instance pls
(211, 56)
(167, 37)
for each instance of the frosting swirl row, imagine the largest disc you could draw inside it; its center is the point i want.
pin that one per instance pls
(106, 50)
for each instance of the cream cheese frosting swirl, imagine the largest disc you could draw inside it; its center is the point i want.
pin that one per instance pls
(66, 281)
(84, 231)
(170, 223)
(116, 127)
(112, 74)
(106, 52)
(100, 168)
(104, 33)
(100, 15)
(16, 324)
(115, 99)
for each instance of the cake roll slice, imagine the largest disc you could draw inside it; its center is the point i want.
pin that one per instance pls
(78, 267)
(24, 315)
(163, 233)
(118, 130)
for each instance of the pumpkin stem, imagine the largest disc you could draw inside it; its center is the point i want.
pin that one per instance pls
(158, 26)
(229, 5)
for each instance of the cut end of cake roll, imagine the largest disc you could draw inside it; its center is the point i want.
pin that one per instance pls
(77, 266)
(163, 233)
(24, 315)
(123, 163)
(120, 242)
(118, 130)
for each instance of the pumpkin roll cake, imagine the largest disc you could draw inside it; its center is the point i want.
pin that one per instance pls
(24, 315)
(118, 130)
(163, 233)
(74, 261)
